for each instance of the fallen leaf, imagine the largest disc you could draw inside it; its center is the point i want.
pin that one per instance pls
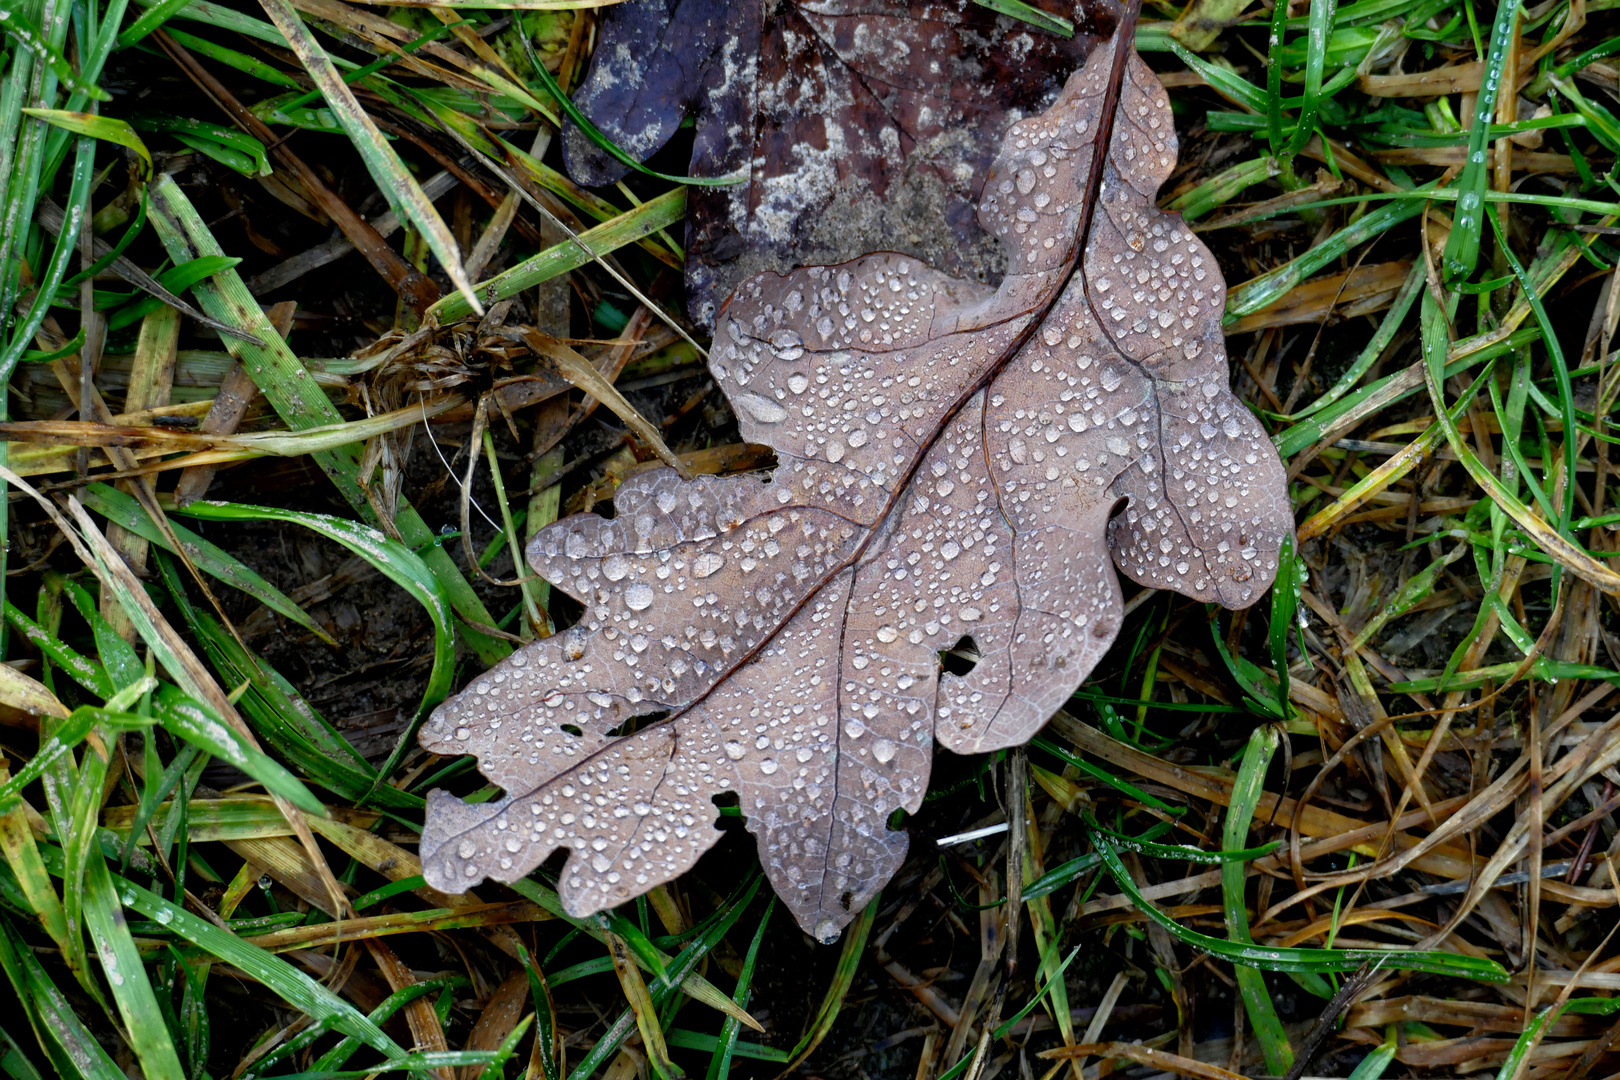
(858, 128)
(950, 461)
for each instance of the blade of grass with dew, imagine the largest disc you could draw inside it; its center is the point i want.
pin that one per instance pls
(1257, 1003)
(291, 985)
(193, 721)
(70, 1048)
(571, 254)
(404, 195)
(1467, 228)
(300, 403)
(59, 745)
(1222, 189)
(641, 1005)
(1258, 292)
(1278, 958)
(1034, 16)
(1317, 33)
(126, 975)
(388, 556)
(667, 980)
(282, 717)
(78, 667)
(16, 24)
(125, 511)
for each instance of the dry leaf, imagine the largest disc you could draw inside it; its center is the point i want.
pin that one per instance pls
(859, 127)
(950, 460)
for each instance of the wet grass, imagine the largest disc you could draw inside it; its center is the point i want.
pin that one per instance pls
(212, 787)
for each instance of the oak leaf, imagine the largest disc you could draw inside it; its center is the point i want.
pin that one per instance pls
(859, 126)
(951, 462)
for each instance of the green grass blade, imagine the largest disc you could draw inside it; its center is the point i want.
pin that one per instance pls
(391, 558)
(197, 724)
(126, 975)
(726, 1047)
(105, 128)
(72, 1050)
(405, 196)
(281, 978)
(571, 254)
(1276, 958)
(1317, 33)
(18, 26)
(1246, 791)
(1462, 246)
(213, 560)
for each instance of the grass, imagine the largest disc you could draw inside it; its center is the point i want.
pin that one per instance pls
(209, 850)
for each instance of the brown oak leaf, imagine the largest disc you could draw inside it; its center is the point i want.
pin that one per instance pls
(951, 463)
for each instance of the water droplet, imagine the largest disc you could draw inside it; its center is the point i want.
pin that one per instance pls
(787, 344)
(857, 438)
(835, 451)
(768, 766)
(707, 563)
(1110, 380)
(1117, 445)
(614, 567)
(1077, 422)
(467, 849)
(798, 382)
(513, 844)
(735, 750)
(884, 750)
(638, 597)
(887, 633)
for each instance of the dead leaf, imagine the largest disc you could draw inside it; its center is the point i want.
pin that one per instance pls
(859, 129)
(950, 457)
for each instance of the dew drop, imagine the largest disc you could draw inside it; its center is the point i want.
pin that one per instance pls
(798, 382)
(787, 344)
(706, 564)
(768, 766)
(884, 750)
(638, 597)
(735, 750)
(467, 849)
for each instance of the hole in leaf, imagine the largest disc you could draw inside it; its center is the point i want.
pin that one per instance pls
(636, 723)
(573, 729)
(962, 657)
(846, 899)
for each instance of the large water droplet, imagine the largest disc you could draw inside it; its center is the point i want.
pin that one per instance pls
(467, 849)
(884, 750)
(707, 563)
(768, 766)
(798, 382)
(638, 597)
(735, 750)
(787, 344)
(614, 567)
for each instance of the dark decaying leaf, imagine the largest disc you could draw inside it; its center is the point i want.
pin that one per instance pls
(859, 126)
(950, 458)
